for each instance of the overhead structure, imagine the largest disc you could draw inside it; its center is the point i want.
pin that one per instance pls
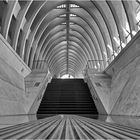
(66, 34)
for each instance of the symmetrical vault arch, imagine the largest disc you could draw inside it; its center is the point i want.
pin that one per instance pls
(67, 33)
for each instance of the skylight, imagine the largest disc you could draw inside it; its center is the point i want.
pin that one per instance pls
(64, 23)
(74, 6)
(64, 15)
(61, 6)
(71, 23)
(64, 6)
(72, 15)
(66, 76)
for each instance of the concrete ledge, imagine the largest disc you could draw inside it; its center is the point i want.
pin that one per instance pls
(126, 56)
(99, 85)
(34, 93)
(11, 57)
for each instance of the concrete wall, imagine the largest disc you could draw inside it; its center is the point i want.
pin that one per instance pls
(6, 121)
(100, 91)
(128, 121)
(12, 59)
(120, 94)
(12, 88)
(17, 96)
(100, 97)
(125, 87)
(36, 92)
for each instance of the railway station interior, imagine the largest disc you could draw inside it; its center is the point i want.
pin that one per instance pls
(70, 69)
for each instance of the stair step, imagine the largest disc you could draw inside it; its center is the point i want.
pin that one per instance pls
(66, 112)
(66, 104)
(68, 108)
(61, 105)
(69, 96)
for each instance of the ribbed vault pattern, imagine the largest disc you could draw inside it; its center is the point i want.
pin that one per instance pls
(69, 127)
(67, 33)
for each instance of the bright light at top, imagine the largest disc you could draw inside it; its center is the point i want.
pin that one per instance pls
(67, 76)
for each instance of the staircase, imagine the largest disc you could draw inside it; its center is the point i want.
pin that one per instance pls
(68, 99)
(67, 96)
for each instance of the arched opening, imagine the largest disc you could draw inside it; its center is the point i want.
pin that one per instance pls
(67, 76)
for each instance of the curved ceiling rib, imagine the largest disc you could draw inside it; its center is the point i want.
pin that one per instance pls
(76, 58)
(129, 16)
(99, 51)
(56, 48)
(74, 65)
(73, 38)
(97, 24)
(116, 19)
(65, 34)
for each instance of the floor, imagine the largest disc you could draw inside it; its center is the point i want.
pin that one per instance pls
(69, 127)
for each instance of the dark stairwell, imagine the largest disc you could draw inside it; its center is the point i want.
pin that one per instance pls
(67, 96)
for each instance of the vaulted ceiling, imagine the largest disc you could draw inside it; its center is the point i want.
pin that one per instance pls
(65, 35)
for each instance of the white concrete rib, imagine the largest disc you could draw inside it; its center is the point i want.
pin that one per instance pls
(69, 127)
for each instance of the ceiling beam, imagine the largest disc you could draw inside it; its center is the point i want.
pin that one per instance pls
(67, 30)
